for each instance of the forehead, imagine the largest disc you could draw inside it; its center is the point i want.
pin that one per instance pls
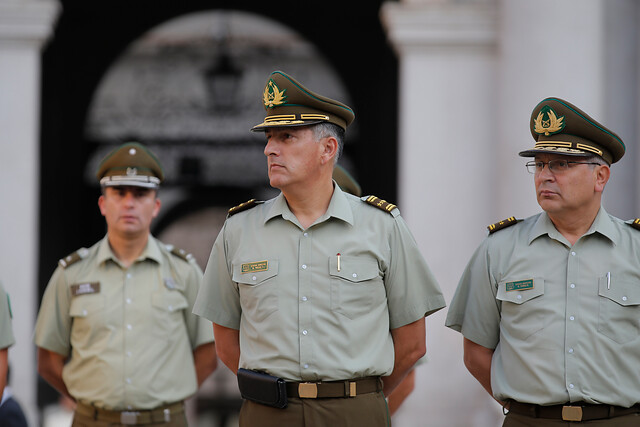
(287, 129)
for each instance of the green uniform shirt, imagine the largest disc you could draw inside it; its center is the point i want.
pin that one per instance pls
(6, 333)
(564, 320)
(299, 316)
(129, 332)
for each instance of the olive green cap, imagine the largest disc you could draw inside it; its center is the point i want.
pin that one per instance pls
(346, 181)
(559, 127)
(288, 103)
(130, 164)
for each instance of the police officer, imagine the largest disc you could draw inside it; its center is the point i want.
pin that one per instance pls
(315, 294)
(115, 330)
(6, 336)
(549, 306)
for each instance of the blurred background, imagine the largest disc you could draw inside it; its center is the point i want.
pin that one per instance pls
(442, 91)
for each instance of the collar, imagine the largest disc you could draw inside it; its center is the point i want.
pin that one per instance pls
(602, 225)
(339, 208)
(151, 251)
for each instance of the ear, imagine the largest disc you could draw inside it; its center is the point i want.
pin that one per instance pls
(156, 208)
(602, 177)
(101, 204)
(329, 149)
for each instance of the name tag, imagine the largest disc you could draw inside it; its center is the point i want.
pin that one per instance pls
(520, 285)
(85, 288)
(252, 267)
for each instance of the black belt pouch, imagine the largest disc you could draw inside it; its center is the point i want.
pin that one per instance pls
(262, 388)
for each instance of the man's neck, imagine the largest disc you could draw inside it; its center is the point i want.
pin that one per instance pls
(309, 204)
(573, 226)
(127, 249)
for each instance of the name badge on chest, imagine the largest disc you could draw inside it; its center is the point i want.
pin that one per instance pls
(85, 288)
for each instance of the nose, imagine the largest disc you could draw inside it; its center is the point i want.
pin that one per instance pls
(269, 148)
(545, 174)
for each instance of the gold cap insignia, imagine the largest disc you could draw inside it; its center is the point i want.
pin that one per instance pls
(548, 122)
(273, 96)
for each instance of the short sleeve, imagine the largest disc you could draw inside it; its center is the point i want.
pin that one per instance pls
(6, 332)
(53, 325)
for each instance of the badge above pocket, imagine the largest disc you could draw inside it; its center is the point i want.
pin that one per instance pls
(255, 272)
(520, 291)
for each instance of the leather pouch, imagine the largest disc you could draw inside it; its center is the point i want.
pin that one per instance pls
(262, 388)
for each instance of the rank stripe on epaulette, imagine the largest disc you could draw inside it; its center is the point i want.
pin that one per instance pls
(242, 206)
(181, 253)
(636, 224)
(380, 204)
(503, 224)
(73, 257)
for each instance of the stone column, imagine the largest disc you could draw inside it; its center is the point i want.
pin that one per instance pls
(24, 27)
(448, 124)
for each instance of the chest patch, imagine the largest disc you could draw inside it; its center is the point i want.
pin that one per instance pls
(252, 267)
(85, 288)
(520, 285)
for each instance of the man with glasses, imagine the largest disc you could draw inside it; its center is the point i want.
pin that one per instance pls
(549, 307)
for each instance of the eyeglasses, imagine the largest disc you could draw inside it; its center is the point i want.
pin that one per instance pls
(555, 166)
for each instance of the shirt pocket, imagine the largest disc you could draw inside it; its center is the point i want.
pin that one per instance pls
(258, 287)
(618, 309)
(357, 288)
(523, 311)
(89, 324)
(168, 311)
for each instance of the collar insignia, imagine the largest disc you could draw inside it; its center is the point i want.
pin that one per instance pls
(273, 96)
(547, 122)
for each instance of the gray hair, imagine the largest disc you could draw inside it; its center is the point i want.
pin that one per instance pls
(326, 130)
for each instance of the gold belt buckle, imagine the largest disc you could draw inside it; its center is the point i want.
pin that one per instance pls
(572, 413)
(129, 418)
(308, 390)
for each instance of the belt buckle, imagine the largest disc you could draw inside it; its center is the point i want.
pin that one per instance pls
(572, 413)
(129, 417)
(308, 390)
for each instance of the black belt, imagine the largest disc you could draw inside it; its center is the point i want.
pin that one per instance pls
(576, 411)
(328, 389)
(131, 417)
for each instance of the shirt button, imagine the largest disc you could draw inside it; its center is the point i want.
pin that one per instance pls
(570, 351)
(128, 275)
(573, 285)
(571, 386)
(304, 298)
(306, 234)
(624, 298)
(573, 254)
(519, 297)
(128, 380)
(129, 327)
(572, 318)
(306, 366)
(128, 300)
(170, 308)
(254, 278)
(354, 275)
(305, 332)
(84, 312)
(304, 266)
(128, 354)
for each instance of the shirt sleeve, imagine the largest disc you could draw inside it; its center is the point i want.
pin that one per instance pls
(6, 333)
(475, 311)
(53, 325)
(412, 289)
(199, 329)
(218, 299)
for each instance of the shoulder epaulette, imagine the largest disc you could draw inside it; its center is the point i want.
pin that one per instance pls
(242, 207)
(379, 203)
(503, 224)
(180, 253)
(635, 224)
(72, 258)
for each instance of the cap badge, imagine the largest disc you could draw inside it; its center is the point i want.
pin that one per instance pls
(548, 122)
(132, 171)
(273, 96)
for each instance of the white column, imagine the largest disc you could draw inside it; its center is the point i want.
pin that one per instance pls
(24, 26)
(448, 124)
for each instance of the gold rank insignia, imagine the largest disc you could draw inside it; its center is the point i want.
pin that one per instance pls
(273, 96)
(380, 204)
(503, 224)
(635, 224)
(547, 122)
(243, 207)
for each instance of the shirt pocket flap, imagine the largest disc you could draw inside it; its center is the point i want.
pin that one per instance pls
(84, 305)
(625, 294)
(520, 291)
(169, 300)
(254, 273)
(353, 269)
